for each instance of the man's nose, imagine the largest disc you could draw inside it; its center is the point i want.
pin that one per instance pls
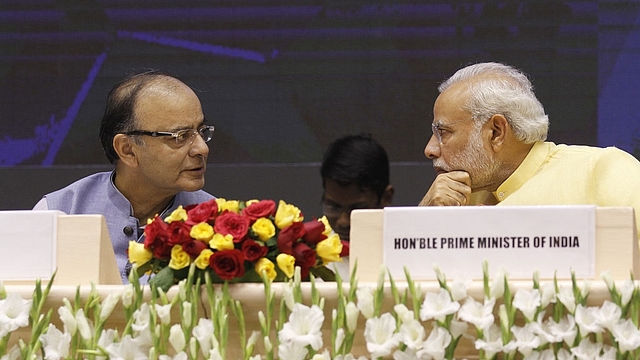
(199, 147)
(432, 149)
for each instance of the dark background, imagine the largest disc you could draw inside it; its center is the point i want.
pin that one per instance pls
(281, 79)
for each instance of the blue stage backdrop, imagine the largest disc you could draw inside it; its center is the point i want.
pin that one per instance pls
(281, 79)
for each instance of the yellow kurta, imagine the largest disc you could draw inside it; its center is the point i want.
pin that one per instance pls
(570, 175)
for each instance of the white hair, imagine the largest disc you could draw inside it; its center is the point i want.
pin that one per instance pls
(496, 88)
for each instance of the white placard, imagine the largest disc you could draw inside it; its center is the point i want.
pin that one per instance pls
(520, 239)
(27, 244)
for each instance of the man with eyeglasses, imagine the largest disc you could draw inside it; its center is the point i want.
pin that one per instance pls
(488, 147)
(154, 132)
(355, 175)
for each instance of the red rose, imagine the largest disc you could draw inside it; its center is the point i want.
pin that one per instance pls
(289, 236)
(262, 208)
(345, 248)
(233, 224)
(194, 247)
(227, 264)
(203, 212)
(252, 250)
(313, 232)
(180, 233)
(156, 238)
(305, 256)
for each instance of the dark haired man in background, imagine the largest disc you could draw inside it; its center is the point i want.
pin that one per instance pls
(154, 132)
(355, 175)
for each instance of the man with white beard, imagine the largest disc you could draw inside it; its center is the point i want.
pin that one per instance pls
(488, 147)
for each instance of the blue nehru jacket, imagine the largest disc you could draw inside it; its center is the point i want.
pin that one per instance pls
(96, 194)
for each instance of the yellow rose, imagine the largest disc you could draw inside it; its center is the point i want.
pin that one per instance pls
(178, 214)
(202, 232)
(264, 228)
(327, 227)
(249, 202)
(231, 205)
(202, 261)
(138, 254)
(221, 242)
(179, 258)
(329, 249)
(267, 266)
(287, 214)
(286, 263)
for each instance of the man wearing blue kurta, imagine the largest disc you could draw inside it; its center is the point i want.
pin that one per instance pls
(154, 132)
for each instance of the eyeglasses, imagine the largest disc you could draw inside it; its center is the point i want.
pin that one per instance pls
(437, 131)
(181, 136)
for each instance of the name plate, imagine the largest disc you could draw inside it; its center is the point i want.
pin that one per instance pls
(28, 243)
(520, 239)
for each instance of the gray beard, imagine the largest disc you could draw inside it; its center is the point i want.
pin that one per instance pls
(483, 169)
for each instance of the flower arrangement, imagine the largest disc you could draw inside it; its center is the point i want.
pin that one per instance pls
(544, 321)
(236, 241)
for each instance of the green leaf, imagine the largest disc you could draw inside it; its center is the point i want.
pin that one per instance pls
(323, 272)
(163, 279)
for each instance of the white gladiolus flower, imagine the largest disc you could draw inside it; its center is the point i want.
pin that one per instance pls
(547, 294)
(352, 312)
(268, 346)
(626, 291)
(56, 343)
(365, 301)
(292, 350)
(304, 326)
(626, 335)
(492, 342)
(565, 329)
(84, 328)
(410, 354)
(127, 349)
(412, 334)
(608, 353)
(458, 328)
(608, 314)
(107, 337)
(379, 334)
(68, 320)
(127, 295)
(528, 302)
(404, 314)
(541, 328)
(141, 318)
(541, 355)
(459, 286)
(164, 313)
(587, 320)
(436, 343)
(14, 352)
(496, 290)
(478, 314)
(176, 338)
(109, 304)
(438, 306)
(567, 298)
(179, 356)
(214, 354)
(340, 336)
(203, 332)
(187, 317)
(526, 339)
(287, 295)
(14, 313)
(586, 350)
(322, 356)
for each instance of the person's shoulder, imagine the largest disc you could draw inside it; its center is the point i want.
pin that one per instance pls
(87, 181)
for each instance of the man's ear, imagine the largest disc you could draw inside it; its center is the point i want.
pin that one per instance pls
(499, 127)
(387, 196)
(123, 146)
